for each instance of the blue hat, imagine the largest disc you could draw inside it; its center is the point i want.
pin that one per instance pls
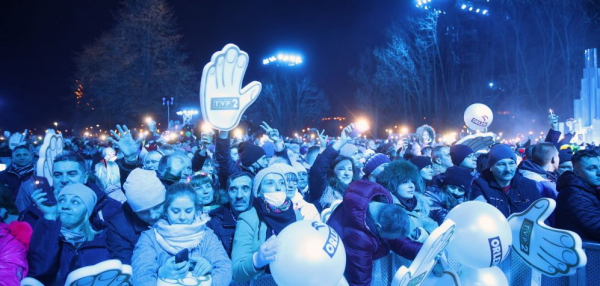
(500, 152)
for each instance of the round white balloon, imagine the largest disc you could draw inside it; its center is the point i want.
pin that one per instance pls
(310, 253)
(492, 276)
(478, 116)
(482, 236)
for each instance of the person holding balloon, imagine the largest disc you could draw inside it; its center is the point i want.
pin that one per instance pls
(255, 243)
(370, 225)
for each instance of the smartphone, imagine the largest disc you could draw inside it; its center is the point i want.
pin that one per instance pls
(182, 256)
(42, 183)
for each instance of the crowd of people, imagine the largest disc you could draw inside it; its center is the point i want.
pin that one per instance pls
(212, 205)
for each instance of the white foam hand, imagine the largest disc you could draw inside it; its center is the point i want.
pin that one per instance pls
(554, 252)
(17, 139)
(222, 98)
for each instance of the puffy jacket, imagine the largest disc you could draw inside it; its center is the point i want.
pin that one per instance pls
(362, 245)
(545, 180)
(14, 242)
(51, 258)
(578, 207)
(521, 194)
(122, 233)
(223, 223)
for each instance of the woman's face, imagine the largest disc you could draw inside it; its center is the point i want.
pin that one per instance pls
(71, 211)
(343, 171)
(205, 193)
(426, 138)
(427, 173)
(272, 183)
(208, 167)
(292, 185)
(406, 190)
(181, 211)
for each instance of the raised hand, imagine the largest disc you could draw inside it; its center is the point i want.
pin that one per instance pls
(271, 132)
(553, 121)
(222, 98)
(322, 138)
(554, 252)
(40, 197)
(125, 141)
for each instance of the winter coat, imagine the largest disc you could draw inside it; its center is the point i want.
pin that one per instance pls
(521, 194)
(222, 222)
(149, 256)
(438, 210)
(553, 137)
(126, 167)
(122, 234)
(104, 210)
(317, 179)
(14, 242)
(545, 180)
(578, 207)
(421, 225)
(12, 182)
(361, 240)
(51, 258)
(250, 234)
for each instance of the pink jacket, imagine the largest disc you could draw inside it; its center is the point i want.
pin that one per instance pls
(14, 243)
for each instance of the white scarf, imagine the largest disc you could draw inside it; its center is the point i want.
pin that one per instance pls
(175, 237)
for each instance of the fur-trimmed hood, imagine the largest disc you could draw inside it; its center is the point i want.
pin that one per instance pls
(419, 135)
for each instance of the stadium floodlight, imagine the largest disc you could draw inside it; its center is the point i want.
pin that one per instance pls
(283, 60)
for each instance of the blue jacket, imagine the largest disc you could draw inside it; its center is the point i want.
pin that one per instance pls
(578, 207)
(12, 181)
(223, 224)
(521, 194)
(51, 258)
(149, 256)
(122, 233)
(363, 246)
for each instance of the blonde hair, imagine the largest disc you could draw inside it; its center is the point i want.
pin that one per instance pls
(107, 173)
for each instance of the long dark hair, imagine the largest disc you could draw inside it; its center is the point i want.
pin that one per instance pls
(332, 179)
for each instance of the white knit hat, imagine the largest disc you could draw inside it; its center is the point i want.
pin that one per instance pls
(143, 190)
(86, 194)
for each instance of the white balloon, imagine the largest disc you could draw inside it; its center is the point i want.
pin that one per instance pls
(310, 253)
(492, 276)
(478, 116)
(482, 236)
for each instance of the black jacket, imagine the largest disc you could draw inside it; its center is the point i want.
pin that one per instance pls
(578, 207)
(521, 194)
(122, 233)
(223, 223)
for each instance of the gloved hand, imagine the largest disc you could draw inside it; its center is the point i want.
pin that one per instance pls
(267, 253)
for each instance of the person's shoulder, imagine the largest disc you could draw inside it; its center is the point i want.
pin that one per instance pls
(249, 215)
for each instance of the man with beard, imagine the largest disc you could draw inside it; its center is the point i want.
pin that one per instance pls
(20, 170)
(223, 219)
(502, 186)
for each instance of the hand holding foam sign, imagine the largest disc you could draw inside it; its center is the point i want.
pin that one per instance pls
(222, 98)
(52, 146)
(553, 252)
(426, 258)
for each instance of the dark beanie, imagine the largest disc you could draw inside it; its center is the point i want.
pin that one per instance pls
(500, 152)
(249, 153)
(374, 161)
(420, 161)
(458, 176)
(459, 152)
(565, 155)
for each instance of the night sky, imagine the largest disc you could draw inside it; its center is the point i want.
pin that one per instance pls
(39, 40)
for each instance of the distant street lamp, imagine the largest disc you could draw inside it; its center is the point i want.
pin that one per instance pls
(168, 103)
(55, 125)
(187, 115)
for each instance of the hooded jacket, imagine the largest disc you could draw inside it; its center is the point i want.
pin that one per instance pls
(522, 193)
(14, 242)
(545, 180)
(578, 207)
(362, 243)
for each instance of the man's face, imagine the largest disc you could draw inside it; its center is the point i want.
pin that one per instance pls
(445, 160)
(375, 173)
(566, 166)
(588, 170)
(21, 157)
(152, 215)
(240, 190)
(66, 173)
(151, 161)
(504, 170)
(470, 162)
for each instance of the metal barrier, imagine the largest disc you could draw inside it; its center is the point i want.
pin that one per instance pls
(517, 272)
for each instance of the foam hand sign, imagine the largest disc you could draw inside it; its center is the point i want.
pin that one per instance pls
(189, 280)
(52, 146)
(16, 139)
(478, 141)
(106, 273)
(426, 258)
(551, 251)
(222, 98)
